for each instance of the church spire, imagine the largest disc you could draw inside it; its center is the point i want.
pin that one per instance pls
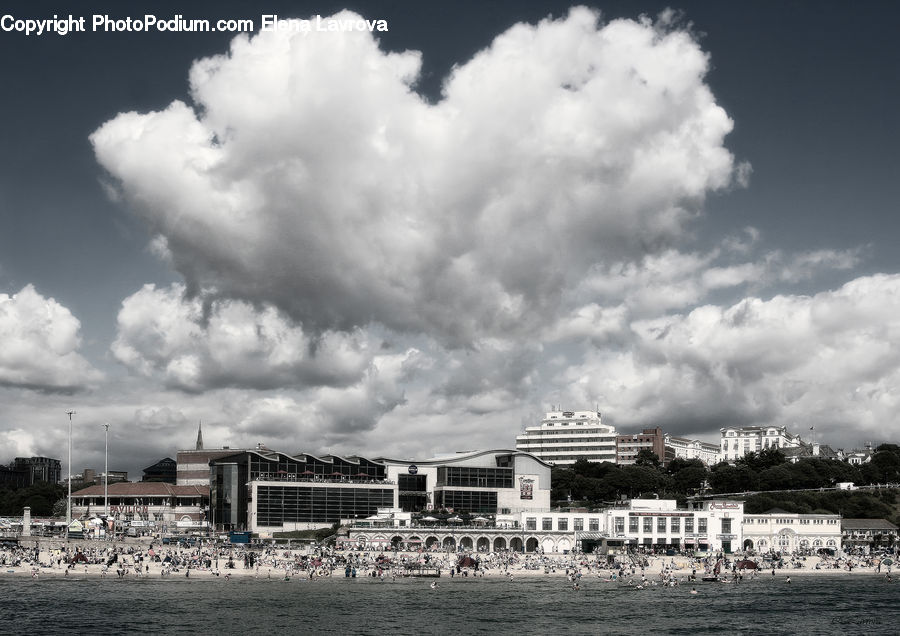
(200, 435)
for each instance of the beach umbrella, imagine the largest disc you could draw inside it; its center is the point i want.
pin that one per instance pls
(429, 519)
(887, 561)
(454, 519)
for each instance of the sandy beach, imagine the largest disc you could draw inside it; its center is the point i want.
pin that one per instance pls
(154, 560)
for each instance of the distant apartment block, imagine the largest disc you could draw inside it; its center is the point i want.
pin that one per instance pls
(38, 469)
(628, 446)
(738, 441)
(564, 437)
(685, 448)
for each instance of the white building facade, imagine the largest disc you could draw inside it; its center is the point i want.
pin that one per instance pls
(738, 441)
(490, 482)
(789, 533)
(641, 524)
(685, 448)
(564, 437)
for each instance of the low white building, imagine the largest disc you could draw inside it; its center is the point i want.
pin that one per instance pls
(648, 524)
(788, 533)
(713, 526)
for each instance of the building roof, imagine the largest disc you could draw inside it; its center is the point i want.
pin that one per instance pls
(458, 457)
(867, 524)
(144, 489)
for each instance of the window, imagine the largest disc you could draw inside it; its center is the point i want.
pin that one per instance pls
(471, 477)
(594, 525)
(648, 525)
(632, 524)
(701, 525)
(661, 525)
(579, 524)
(726, 526)
(620, 525)
(470, 500)
(676, 525)
(547, 523)
(531, 523)
(562, 524)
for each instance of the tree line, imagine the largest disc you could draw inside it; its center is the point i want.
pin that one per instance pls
(595, 484)
(40, 497)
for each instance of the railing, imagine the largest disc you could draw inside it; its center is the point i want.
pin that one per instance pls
(324, 479)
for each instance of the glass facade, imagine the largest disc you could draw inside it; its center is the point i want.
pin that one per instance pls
(412, 494)
(466, 500)
(228, 496)
(277, 505)
(470, 477)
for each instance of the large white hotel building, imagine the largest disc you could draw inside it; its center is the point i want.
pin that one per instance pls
(563, 437)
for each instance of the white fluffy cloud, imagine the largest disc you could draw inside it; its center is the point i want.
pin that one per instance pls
(327, 187)
(827, 360)
(162, 333)
(40, 341)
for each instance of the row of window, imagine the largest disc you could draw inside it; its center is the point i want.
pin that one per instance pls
(472, 477)
(646, 525)
(788, 521)
(277, 505)
(467, 500)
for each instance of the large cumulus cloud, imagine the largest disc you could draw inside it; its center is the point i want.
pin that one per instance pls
(828, 360)
(40, 342)
(310, 175)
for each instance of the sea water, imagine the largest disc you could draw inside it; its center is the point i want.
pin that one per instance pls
(523, 605)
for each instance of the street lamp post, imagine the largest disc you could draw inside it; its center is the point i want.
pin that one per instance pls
(106, 476)
(69, 500)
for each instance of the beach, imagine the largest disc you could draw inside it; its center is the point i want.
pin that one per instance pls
(153, 559)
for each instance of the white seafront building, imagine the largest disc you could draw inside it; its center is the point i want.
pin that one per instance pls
(786, 532)
(564, 437)
(648, 524)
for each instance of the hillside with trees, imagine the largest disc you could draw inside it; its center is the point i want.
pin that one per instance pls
(766, 473)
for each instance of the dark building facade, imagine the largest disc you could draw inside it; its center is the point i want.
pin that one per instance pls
(38, 469)
(165, 470)
(294, 492)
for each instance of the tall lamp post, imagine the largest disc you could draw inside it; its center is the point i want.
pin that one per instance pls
(69, 500)
(106, 476)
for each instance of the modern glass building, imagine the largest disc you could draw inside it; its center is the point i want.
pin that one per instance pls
(266, 491)
(262, 489)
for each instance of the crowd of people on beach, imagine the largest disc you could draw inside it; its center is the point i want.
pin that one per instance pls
(215, 559)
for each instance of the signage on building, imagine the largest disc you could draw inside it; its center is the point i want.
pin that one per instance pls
(129, 509)
(413, 469)
(660, 514)
(526, 488)
(724, 506)
(568, 414)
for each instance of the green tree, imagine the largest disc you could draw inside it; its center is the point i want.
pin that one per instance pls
(647, 457)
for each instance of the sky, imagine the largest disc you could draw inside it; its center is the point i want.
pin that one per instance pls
(418, 240)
